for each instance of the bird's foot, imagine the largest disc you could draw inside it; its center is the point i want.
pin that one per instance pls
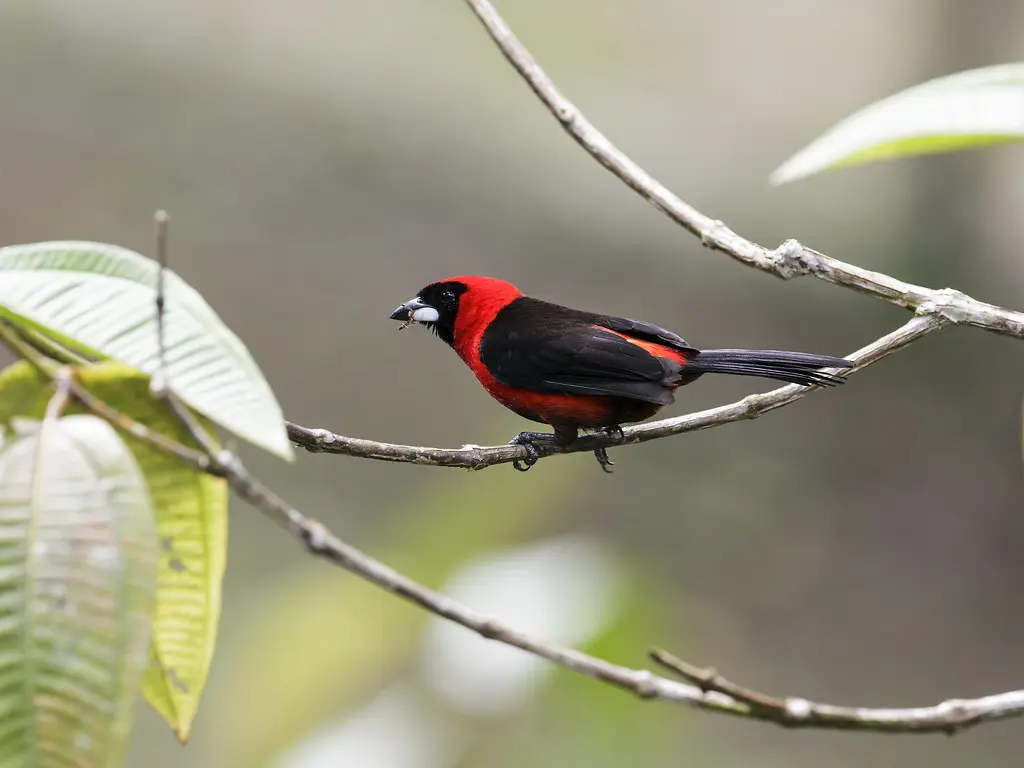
(601, 454)
(528, 440)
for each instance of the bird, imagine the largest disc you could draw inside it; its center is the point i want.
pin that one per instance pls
(575, 370)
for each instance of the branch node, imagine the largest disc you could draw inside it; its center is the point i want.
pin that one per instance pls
(684, 669)
(646, 686)
(490, 629)
(316, 537)
(799, 709)
(324, 436)
(753, 406)
(711, 236)
(958, 716)
(789, 260)
(949, 304)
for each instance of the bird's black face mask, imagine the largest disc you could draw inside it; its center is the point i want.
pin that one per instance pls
(436, 307)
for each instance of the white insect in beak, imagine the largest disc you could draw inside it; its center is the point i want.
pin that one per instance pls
(415, 311)
(425, 315)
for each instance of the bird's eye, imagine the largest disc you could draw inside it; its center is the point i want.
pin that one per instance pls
(448, 297)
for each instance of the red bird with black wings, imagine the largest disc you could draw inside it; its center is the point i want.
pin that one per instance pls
(578, 370)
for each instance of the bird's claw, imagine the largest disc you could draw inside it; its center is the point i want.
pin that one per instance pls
(614, 432)
(528, 440)
(601, 454)
(531, 458)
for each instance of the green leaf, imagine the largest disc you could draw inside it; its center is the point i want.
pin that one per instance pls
(191, 518)
(99, 299)
(78, 559)
(971, 109)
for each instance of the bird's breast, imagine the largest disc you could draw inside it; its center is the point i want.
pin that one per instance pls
(584, 411)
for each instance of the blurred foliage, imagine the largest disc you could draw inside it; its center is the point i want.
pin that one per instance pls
(79, 551)
(355, 636)
(191, 523)
(963, 111)
(580, 722)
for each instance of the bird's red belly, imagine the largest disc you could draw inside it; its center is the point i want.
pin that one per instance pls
(584, 411)
(580, 410)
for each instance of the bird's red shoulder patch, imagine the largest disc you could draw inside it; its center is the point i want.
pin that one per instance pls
(656, 349)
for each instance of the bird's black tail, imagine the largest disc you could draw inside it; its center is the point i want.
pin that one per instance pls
(794, 367)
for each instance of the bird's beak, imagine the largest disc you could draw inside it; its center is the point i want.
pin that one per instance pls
(415, 311)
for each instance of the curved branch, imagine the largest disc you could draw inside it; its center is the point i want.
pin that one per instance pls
(789, 260)
(950, 716)
(479, 457)
(703, 689)
(707, 693)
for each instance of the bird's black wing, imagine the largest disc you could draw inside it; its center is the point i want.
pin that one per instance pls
(550, 349)
(645, 332)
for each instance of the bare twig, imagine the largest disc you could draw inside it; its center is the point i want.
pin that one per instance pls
(704, 690)
(750, 407)
(789, 260)
(950, 716)
(946, 717)
(710, 680)
(51, 348)
(158, 383)
(60, 397)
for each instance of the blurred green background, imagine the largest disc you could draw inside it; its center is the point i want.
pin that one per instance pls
(324, 159)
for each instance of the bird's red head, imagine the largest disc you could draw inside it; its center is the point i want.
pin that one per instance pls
(459, 308)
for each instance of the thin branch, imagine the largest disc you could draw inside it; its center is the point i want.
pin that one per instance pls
(950, 716)
(947, 717)
(158, 383)
(12, 338)
(789, 260)
(705, 691)
(60, 397)
(710, 680)
(476, 457)
(51, 348)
